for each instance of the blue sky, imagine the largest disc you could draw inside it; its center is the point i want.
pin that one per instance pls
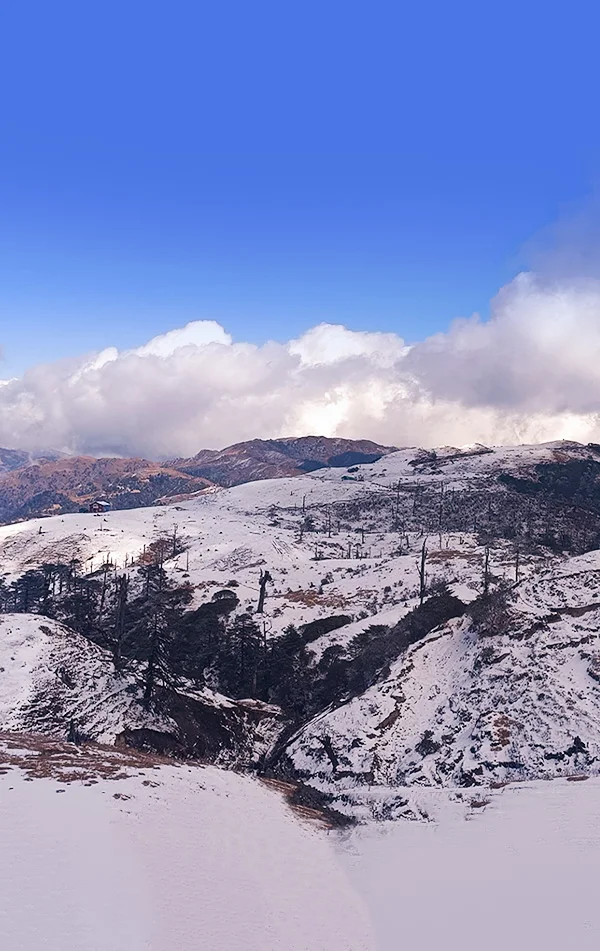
(275, 165)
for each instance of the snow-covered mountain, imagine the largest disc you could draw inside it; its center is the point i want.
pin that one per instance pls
(54, 483)
(448, 602)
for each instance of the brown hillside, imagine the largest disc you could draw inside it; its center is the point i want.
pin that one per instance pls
(66, 485)
(50, 486)
(278, 458)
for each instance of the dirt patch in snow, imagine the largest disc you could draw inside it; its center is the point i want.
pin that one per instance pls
(309, 804)
(40, 757)
(311, 598)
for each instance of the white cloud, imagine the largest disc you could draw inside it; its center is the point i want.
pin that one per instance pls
(529, 373)
(331, 343)
(195, 334)
(539, 353)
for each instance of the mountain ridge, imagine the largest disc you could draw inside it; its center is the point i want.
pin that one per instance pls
(54, 483)
(431, 619)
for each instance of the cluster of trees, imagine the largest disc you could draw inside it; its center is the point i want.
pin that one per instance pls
(559, 509)
(144, 619)
(132, 615)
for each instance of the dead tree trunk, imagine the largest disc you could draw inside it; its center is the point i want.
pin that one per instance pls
(422, 574)
(486, 572)
(265, 577)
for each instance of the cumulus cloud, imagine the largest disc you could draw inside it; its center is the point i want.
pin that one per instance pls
(538, 354)
(529, 373)
(198, 333)
(329, 344)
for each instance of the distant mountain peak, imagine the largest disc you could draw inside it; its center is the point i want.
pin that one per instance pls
(276, 458)
(50, 483)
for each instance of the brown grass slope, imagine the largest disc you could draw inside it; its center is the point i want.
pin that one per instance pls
(66, 485)
(278, 458)
(51, 486)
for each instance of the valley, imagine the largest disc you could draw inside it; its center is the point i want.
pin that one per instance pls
(376, 651)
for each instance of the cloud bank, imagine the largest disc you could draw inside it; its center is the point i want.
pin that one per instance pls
(529, 373)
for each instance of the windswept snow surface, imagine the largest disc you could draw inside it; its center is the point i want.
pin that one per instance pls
(169, 859)
(521, 872)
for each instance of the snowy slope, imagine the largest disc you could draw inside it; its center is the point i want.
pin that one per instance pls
(457, 708)
(51, 676)
(460, 708)
(109, 851)
(521, 872)
(164, 858)
(234, 533)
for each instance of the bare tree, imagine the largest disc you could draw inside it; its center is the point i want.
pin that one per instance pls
(265, 577)
(422, 573)
(486, 572)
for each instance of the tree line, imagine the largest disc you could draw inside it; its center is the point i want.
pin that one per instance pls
(143, 617)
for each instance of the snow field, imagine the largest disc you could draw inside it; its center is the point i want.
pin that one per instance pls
(180, 858)
(520, 872)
